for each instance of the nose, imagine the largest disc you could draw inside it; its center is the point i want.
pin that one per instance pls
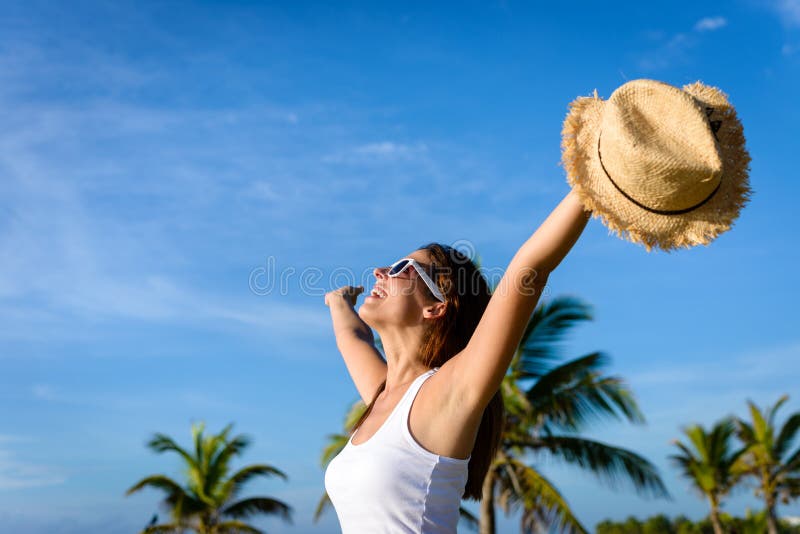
(380, 272)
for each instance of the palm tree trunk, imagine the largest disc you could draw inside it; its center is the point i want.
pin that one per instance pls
(772, 520)
(487, 520)
(769, 501)
(205, 524)
(715, 523)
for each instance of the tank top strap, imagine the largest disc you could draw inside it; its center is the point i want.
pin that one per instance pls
(407, 401)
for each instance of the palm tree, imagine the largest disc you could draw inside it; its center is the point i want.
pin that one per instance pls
(544, 419)
(547, 406)
(337, 442)
(205, 504)
(768, 458)
(708, 462)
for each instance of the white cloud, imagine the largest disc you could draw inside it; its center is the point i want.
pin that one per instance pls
(378, 152)
(675, 49)
(17, 474)
(43, 392)
(788, 11)
(179, 398)
(12, 438)
(710, 24)
(388, 148)
(263, 190)
(89, 235)
(750, 369)
(69, 259)
(671, 51)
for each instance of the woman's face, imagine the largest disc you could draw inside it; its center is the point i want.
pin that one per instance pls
(398, 299)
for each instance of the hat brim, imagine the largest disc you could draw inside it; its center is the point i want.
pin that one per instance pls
(700, 226)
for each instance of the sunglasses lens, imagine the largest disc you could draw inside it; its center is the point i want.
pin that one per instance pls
(398, 267)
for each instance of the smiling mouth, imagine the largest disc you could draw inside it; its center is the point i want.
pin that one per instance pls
(378, 293)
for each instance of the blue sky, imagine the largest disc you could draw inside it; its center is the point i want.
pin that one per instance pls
(156, 156)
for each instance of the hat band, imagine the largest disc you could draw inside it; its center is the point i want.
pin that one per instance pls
(652, 210)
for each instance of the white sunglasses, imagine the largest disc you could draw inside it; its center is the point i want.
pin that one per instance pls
(401, 265)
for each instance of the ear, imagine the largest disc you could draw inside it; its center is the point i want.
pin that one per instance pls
(434, 311)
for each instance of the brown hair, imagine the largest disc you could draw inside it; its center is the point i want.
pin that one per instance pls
(467, 294)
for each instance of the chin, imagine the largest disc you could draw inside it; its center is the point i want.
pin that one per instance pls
(370, 316)
(365, 316)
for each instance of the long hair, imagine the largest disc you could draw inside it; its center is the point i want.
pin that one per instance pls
(467, 294)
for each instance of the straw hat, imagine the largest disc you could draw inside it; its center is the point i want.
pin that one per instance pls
(660, 166)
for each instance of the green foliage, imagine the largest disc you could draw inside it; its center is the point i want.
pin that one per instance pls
(660, 524)
(547, 405)
(714, 465)
(206, 503)
(769, 458)
(708, 458)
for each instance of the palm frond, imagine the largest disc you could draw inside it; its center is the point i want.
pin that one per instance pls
(682, 462)
(787, 436)
(259, 505)
(219, 456)
(790, 489)
(231, 488)
(236, 527)
(336, 442)
(546, 328)
(353, 415)
(218, 448)
(575, 393)
(210, 447)
(178, 500)
(163, 443)
(720, 442)
(688, 454)
(197, 439)
(764, 460)
(468, 518)
(774, 409)
(543, 507)
(709, 461)
(745, 431)
(323, 504)
(161, 482)
(166, 528)
(215, 443)
(698, 438)
(612, 465)
(792, 463)
(759, 424)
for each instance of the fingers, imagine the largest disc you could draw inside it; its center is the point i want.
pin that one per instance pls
(349, 293)
(353, 292)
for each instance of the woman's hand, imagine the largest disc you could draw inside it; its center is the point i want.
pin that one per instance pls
(348, 294)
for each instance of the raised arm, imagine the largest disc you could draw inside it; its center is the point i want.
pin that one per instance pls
(479, 369)
(356, 342)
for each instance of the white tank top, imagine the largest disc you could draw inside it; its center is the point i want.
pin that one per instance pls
(392, 484)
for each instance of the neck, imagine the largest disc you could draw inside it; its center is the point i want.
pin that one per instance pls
(402, 347)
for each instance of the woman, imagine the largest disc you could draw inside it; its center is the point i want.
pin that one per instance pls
(434, 413)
